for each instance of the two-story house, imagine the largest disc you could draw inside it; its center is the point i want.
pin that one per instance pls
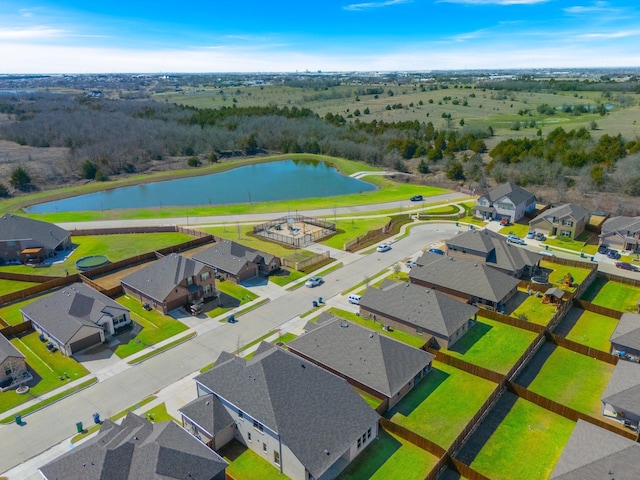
(567, 220)
(505, 201)
(26, 240)
(622, 233)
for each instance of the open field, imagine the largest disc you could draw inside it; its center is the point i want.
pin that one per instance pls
(591, 329)
(618, 296)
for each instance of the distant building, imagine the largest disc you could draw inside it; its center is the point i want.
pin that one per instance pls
(26, 240)
(622, 233)
(567, 220)
(505, 201)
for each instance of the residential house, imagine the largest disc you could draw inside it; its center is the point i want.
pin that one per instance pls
(237, 262)
(138, 450)
(493, 250)
(76, 317)
(415, 309)
(13, 368)
(207, 419)
(567, 220)
(24, 240)
(621, 398)
(305, 421)
(505, 201)
(593, 453)
(372, 362)
(471, 282)
(625, 339)
(621, 233)
(171, 282)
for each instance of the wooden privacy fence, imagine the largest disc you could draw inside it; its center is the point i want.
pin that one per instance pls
(617, 278)
(25, 277)
(53, 282)
(583, 349)
(571, 262)
(412, 437)
(298, 265)
(13, 330)
(608, 312)
(466, 366)
(373, 235)
(508, 320)
(123, 230)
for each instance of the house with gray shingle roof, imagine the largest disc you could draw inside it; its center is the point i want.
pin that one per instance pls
(207, 419)
(621, 398)
(593, 453)
(473, 282)
(13, 368)
(626, 336)
(622, 233)
(76, 317)
(171, 282)
(237, 262)
(24, 240)
(305, 421)
(138, 450)
(415, 309)
(493, 250)
(367, 359)
(566, 220)
(505, 201)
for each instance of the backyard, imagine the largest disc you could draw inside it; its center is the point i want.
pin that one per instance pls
(10, 286)
(590, 328)
(492, 345)
(245, 464)
(442, 403)
(526, 445)
(389, 457)
(558, 273)
(531, 309)
(615, 295)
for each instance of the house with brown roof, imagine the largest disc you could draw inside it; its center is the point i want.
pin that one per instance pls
(622, 233)
(416, 309)
(567, 220)
(505, 201)
(13, 367)
(25, 240)
(171, 282)
(375, 363)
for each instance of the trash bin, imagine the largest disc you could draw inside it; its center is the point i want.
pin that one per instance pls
(319, 299)
(18, 418)
(457, 224)
(96, 418)
(546, 247)
(314, 303)
(79, 427)
(581, 254)
(592, 259)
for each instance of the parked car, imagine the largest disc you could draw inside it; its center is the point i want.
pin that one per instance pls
(313, 282)
(516, 240)
(504, 221)
(383, 248)
(613, 254)
(540, 237)
(603, 249)
(354, 299)
(531, 234)
(436, 250)
(410, 263)
(627, 266)
(416, 198)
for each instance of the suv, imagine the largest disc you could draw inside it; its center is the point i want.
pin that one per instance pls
(416, 198)
(383, 248)
(515, 239)
(410, 263)
(313, 282)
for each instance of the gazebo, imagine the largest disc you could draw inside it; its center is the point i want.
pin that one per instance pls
(553, 296)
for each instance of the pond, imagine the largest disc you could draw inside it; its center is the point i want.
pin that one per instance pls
(263, 182)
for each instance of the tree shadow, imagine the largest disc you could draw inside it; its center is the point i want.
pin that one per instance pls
(469, 339)
(419, 393)
(531, 371)
(377, 453)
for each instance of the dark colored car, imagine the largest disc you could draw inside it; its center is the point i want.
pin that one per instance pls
(436, 250)
(613, 254)
(627, 266)
(602, 249)
(540, 237)
(416, 198)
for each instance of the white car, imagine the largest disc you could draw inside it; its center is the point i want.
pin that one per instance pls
(313, 282)
(410, 264)
(383, 248)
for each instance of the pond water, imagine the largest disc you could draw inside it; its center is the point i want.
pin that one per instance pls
(263, 182)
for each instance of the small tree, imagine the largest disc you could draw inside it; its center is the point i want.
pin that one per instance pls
(20, 178)
(4, 191)
(213, 157)
(89, 170)
(455, 171)
(423, 167)
(193, 162)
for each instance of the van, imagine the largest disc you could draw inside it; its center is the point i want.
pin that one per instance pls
(355, 299)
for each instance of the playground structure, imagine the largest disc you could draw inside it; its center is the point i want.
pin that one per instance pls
(296, 230)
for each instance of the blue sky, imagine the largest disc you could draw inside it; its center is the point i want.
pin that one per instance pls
(74, 36)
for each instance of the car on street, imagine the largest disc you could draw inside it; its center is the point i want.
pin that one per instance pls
(540, 237)
(613, 254)
(313, 282)
(410, 263)
(515, 239)
(416, 198)
(603, 249)
(627, 266)
(383, 248)
(436, 250)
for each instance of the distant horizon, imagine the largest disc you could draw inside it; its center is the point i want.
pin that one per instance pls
(250, 36)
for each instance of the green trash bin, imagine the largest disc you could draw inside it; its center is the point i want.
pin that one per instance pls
(457, 224)
(18, 418)
(79, 427)
(546, 247)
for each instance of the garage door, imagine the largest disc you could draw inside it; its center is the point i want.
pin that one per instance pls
(85, 342)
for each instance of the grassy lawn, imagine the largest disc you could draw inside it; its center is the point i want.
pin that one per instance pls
(286, 276)
(593, 330)
(577, 245)
(526, 445)
(517, 229)
(535, 311)
(350, 229)
(234, 290)
(373, 402)
(606, 293)
(156, 327)
(436, 408)
(394, 277)
(556, 277)
(10, 286)
(250, 466)
(46, 368)
(286, 338)
(159, 414)
(413, 340)
(389, 456)
(492, 345)
(11, 313)
(574, 380)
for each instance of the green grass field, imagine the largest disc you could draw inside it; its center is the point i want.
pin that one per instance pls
(535, 311)
(250, 466)
(517, 229)
(156, 327)
(574, 380)
(11, 313)
(350, 229)
(526, 445)
(615, 295)
(10, 286)
(593, 330)
(577, 245)
(233, 290)
(388, 457)
(556, 277)
(442, 403)
(492, 345)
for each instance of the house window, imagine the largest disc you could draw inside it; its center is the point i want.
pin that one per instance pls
(205, 276)
(555, 220)
(364, 438)
(565, 233)
(568, 223)
(189, 281)
(207, 289)
(264, 447)
(359, 442)
(369, 433)
(258, 426)
(249, 437)
(276, 457)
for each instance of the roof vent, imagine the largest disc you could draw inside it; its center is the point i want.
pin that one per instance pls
(326, 451)
(475, 264)
(303, 365)
(428, 290)
(371, 335)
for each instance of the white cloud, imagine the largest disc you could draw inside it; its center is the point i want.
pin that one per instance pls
(605, 35)
(596, 7)
(367, 5)
(494, 2)
(30, 33)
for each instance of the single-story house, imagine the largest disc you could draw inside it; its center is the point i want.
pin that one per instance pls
(625, 339)
(593, 453)
(135, 450)
(13, 367)
(621, 233)
(26, 240)
(505, 201)
(207, 419)
(375, 363)
(472, 282)
(171, 282)
(493, 250)
(621, 398)
(567, 220)
(416, 309)
(76, 317)
(305, 421)
(237, 262)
